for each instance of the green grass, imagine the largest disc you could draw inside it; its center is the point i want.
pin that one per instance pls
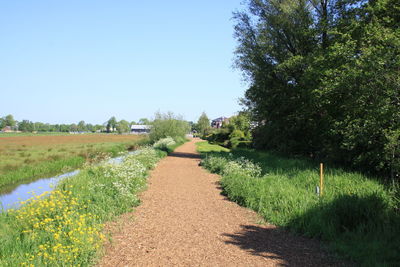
(25, 163)
(66, 227)
(205, 147)
(357, 216)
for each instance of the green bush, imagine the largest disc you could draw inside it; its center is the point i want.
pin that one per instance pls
(168, 125)
(164, 143)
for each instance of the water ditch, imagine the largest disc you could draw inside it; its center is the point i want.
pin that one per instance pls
(25, 191)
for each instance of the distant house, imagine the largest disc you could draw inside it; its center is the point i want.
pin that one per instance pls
(7, 129)
(217, 123)
(140, 129)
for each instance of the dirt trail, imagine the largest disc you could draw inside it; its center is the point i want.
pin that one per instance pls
(185, 221)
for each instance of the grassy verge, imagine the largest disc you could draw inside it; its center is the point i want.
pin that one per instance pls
(65, 227)
(357, 217)
(22, 163)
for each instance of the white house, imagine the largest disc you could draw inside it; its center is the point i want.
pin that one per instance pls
(140, 129)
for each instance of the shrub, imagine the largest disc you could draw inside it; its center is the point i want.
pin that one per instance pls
(165, 125)
(164, 143)
(242, 167)
(214, 164)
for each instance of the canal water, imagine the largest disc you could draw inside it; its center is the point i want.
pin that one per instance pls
(23, 192)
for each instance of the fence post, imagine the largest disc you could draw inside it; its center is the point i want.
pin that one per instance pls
(321, 178)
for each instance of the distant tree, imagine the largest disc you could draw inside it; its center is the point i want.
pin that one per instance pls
(111, 124)
(144, 121)
(81, 126)
(2, 123)
(203, 124)
(9, 120)
(123, 126)
(64, 128)
(132, 123)
(89, 127)
(42, 127)
(98, 127)
(25, 126)
(74, 127)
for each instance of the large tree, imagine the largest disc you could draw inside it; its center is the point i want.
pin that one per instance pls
(323, 78)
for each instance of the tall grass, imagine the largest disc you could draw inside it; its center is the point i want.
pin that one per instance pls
(357, 216)
(65, 227)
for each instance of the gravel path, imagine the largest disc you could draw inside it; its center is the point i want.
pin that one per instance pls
(185, 221)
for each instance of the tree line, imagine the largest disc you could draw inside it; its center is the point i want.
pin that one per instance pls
(111, 125)
(324, 79)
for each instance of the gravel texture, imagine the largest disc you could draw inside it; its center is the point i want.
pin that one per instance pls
(185, 221)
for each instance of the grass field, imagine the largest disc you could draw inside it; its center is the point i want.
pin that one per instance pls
(30, 157)
(357, 216)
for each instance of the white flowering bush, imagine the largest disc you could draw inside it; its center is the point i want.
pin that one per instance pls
(230, 166)
(242, 167)
(123, 180)
(164, 143)
(148, 156)
(214, 164)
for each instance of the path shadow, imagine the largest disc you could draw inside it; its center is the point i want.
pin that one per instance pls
(185, 155)
(280, 245)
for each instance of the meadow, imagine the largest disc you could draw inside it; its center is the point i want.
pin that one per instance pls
(357, 216)
(24, 158)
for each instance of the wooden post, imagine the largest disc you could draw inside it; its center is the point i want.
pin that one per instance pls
(321, 178)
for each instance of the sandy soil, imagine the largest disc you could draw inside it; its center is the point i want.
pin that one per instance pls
(185, 221)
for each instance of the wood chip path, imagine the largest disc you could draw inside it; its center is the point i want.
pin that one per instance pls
(185, 221)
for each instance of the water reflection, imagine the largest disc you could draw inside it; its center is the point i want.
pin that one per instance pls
(23, 192)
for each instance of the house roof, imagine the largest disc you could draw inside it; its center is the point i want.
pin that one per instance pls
(140, 127)
(220, 119)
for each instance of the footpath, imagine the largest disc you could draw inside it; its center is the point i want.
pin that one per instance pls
(184, 220)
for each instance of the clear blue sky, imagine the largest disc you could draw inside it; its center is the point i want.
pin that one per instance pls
(65, 61)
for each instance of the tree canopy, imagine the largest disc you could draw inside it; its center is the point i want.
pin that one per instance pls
(324, 78)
